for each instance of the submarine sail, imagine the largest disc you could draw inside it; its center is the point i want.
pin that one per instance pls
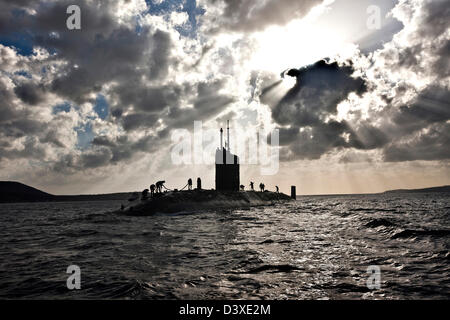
(227, 166)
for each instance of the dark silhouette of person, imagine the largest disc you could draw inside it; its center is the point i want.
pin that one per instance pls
(252, 185)
(144, 194)
(152, 190)
(199, 184)
(261, 187)
(277, 189)
(242, 187)
(159, 186)
(189, 184)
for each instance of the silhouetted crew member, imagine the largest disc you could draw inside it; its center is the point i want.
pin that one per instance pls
(252, 185)
(190, 184)
(199, 184)
(277, 189)
(144, 194)
(152, 190)
(242, 187)
(261, 187)
(159, 186)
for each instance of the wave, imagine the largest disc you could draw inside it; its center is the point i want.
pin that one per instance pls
(127, 289)
(409, 233)
(379, 222)
(34, 287)
(269, 241)
(273, 268)
(78, 233)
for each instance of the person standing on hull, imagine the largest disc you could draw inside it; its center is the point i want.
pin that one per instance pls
(190, 184)
(199, 183)
(152, 190)
(252, 185)
(278, 190)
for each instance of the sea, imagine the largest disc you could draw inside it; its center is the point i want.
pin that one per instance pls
(381, 246)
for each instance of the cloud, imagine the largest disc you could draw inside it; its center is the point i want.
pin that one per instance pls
(430, 144)
(29, 93)
(304, 112)
(253, 15)
(318, 90)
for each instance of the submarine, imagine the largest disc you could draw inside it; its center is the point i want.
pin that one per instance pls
(226, 195)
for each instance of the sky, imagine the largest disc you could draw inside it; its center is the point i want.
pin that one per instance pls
(357, 90)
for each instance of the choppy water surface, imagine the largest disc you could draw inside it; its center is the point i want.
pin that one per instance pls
(316, 247)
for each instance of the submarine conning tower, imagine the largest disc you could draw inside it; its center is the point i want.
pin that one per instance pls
(227, 165)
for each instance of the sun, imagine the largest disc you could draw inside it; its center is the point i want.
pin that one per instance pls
(299, 43)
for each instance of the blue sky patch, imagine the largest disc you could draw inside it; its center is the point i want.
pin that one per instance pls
(64, 107)
(188, 6)
(21, 41)
(23, 73)
(101, 107)
(85, 135)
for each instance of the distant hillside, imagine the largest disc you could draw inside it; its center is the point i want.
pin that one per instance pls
(11, 191)
(424, 190)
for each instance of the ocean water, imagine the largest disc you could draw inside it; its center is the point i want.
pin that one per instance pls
(317, 247)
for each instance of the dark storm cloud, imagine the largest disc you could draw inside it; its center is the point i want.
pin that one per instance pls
(304, 112)
(103, 141)
(160, 60)
(255, 15)
(136, 121)
(318, 90)
(29, 93)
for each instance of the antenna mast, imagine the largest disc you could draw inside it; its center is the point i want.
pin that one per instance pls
(228, 135)
(221, 138)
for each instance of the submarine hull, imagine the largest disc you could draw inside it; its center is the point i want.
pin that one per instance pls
(200, 200)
